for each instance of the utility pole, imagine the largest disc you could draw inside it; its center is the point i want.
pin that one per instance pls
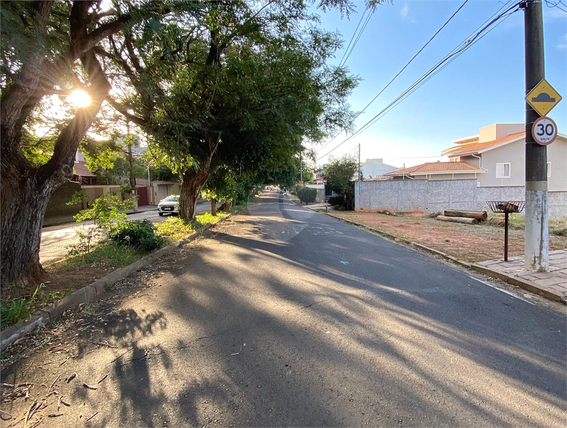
(536, 213)
(301, 168)
(359, 165)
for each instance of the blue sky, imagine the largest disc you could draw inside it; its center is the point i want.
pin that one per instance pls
(484, 85)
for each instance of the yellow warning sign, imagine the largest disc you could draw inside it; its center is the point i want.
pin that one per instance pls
(543, 98)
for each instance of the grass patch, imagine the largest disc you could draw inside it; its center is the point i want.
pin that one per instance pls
(14, 310)
(238, 207)
(104, 255)
(176, 228)
(517, 222)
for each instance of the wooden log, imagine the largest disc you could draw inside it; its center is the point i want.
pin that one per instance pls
(465, 220)
(479, 215)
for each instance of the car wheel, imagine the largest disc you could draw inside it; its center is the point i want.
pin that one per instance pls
(160, 214)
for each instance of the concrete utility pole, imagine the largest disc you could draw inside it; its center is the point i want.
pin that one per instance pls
(536, 213)
(359, 165)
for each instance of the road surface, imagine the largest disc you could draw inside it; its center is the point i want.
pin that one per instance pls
(56, 239)
(291, 318)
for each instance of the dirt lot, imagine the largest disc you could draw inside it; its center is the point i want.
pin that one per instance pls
(469, 243)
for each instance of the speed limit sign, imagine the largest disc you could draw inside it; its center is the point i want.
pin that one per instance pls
(544, 131)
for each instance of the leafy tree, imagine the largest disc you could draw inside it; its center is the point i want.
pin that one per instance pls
(226, 79)
(48, 49)
(339, 175)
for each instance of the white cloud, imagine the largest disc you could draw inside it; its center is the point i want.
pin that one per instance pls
(405, 10)
(405, 14)
(563, 44)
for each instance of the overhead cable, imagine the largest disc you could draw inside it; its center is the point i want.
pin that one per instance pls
(457, 51)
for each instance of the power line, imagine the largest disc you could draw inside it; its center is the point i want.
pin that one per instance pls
(399, 72)
(463, 46)
(356, 36)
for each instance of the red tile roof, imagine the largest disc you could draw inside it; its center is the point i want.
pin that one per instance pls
(436, 168)
(82, 171)
(471, 145)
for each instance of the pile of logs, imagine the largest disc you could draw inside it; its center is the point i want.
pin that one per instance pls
(463, 216)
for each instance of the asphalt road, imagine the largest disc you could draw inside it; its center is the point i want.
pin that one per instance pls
(56, 239)
(291, 318)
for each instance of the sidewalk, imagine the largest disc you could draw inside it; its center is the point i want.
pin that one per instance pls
(551, 285)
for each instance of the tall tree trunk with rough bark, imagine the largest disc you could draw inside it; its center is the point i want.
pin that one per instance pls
(191, 185)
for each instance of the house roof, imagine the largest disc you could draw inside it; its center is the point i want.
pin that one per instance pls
(436, 168)
(471, 145)
(82, 171)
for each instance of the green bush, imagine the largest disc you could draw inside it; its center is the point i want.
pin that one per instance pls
(306, 194)
(139, 234)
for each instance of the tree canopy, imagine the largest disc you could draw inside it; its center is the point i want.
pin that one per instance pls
(213, 84)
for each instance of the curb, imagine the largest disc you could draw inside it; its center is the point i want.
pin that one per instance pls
(550, 295)
(90, 292)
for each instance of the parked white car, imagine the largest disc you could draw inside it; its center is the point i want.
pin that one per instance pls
(169, 205)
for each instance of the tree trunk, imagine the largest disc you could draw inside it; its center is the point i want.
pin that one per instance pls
(465, 220)
(191, 184)
(225, 207)
(479, 215)
(213, 207)
(24, 200)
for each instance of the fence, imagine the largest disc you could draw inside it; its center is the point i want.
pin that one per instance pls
(436, 196)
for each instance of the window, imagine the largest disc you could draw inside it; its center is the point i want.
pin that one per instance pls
(548, 169)
(503, 170)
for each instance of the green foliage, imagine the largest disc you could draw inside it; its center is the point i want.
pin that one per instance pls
(17, 309)
(339, 174)
(139, 234)
(13, 311)
(77, 198)
(306, 195)
(105, 211)
(175, 228)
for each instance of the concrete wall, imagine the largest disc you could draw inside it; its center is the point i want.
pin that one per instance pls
(436, 196)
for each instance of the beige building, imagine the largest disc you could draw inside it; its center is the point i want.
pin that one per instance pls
(499, 150)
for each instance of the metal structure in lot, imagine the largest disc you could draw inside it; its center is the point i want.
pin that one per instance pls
(506, 207)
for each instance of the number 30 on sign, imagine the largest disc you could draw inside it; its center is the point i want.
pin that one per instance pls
(544, 131)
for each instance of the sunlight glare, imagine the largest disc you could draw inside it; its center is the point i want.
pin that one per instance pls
(80, 98)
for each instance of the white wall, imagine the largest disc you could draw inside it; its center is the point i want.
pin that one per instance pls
(436, 196)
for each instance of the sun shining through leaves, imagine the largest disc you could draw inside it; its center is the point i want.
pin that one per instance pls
(80, 98)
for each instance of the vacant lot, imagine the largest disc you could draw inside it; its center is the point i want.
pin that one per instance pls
(470, 243)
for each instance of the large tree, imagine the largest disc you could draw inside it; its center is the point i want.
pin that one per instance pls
(230, 84)
(47, 49)
(170, 52)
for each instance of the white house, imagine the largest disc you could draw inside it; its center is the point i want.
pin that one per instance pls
(499, 150)
(375, 168)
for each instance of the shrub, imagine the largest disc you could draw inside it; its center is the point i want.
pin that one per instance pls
(139, 234)
(306, 194)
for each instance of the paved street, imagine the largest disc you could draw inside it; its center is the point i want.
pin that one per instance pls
(288, 317)
(56, 239)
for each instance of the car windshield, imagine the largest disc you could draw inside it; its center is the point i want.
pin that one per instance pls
(171, 199)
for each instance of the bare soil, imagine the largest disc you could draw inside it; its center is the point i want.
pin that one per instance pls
(466, 242)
